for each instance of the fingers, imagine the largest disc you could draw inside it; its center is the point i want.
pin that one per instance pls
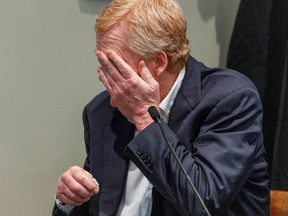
(112, 103)
(84, 183)
(115, 67)
(88, 174)
(76, 186)
(146, 75)
(105, 62)
(70, 198)
(115, 72)
(131, 89)
(121, 65)
(104, 80)
(111, 67)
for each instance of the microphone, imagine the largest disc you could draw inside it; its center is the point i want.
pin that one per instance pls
(157, 118)
(155, 115)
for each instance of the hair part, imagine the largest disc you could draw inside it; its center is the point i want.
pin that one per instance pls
(153, 26)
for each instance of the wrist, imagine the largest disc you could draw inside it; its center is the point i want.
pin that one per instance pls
(59, 203)
(63, 207)
(143, 122)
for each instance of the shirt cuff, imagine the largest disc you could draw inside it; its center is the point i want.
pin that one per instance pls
(64, 208)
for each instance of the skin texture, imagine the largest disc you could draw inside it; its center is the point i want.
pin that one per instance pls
(75, 186)
(134, 85)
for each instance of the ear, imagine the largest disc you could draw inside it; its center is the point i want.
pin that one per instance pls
(161, 62)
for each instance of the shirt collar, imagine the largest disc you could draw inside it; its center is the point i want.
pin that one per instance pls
(167, 102)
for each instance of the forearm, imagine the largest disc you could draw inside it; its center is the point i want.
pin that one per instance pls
(217, 168)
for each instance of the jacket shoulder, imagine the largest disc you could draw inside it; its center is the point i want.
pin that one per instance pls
(224, 81)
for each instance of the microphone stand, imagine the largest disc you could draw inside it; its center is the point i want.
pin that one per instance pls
(156, 117)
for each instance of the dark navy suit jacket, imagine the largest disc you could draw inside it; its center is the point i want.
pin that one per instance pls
(215, 127)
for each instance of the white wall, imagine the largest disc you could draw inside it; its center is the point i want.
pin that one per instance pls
(47, 75)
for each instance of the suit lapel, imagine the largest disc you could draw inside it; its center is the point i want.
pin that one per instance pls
(119, 134)
(189, 94)
(188, 97)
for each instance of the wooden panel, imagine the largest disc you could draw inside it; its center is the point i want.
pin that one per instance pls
(279, 203)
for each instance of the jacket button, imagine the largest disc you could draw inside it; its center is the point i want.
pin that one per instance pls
(147, 159)
(139, 151)
(143, 156)
(150, 164)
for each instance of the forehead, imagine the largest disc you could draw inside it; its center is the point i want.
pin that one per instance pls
(115, 38)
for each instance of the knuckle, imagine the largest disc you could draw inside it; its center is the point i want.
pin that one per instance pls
(74, 168)
(82, 178)
(73, 196)
(122, 84)
(76, 189)
(64, 178)
(133, 82)
(101, 78)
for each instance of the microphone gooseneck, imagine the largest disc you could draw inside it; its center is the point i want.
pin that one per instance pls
(157, 118)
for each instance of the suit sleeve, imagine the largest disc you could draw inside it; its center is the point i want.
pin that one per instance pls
(220, 161)
(57, 212)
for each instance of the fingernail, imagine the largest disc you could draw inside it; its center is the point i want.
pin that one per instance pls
(95, 181)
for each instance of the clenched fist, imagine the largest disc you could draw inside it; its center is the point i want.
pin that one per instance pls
(76, 186)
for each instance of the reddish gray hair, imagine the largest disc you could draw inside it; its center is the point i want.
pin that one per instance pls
(153, 26)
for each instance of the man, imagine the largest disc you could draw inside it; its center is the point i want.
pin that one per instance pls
(212, 118)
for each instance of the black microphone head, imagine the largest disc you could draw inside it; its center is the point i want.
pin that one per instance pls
(155, 115)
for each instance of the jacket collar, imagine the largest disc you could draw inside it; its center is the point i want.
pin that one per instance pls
(189, 94)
